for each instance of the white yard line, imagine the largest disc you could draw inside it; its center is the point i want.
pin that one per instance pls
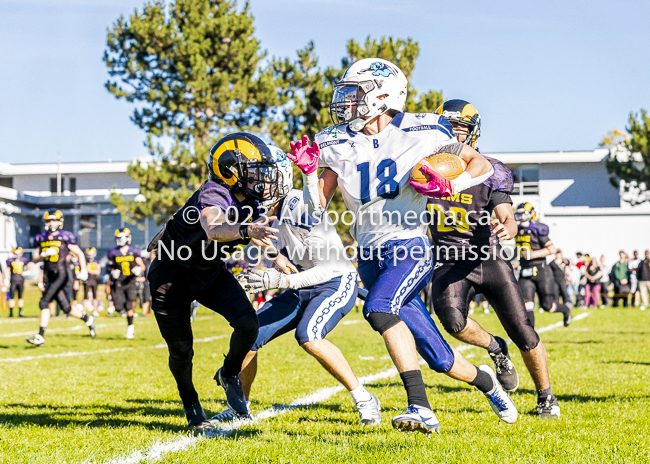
(156, 451)
(69, 354)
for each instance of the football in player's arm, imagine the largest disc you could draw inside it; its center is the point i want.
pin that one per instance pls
(53, 247)
(369, 155)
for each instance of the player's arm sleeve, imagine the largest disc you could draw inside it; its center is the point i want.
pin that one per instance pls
(314, 276)
(498, 198)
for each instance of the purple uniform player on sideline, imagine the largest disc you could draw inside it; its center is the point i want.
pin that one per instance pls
(533, 246)
(124, 265)
(222, 214)
(14, 280)
(369, 154)
(53, 247)
(467, 240)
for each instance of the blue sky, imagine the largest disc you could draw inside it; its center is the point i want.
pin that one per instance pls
(545, 76)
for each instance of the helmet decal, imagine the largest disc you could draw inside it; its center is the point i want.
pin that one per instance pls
(379, 69)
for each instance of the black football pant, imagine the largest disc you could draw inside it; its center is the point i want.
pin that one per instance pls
(55, 290)
(542, 282)
(124, 295)
(494, 278)
(16, 289)
(173, 289)
(560, 280)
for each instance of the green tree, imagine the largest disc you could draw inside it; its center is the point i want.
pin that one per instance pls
(628, 164)
(192, 69)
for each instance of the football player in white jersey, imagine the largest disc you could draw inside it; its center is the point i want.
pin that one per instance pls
(318, 295)
(369, 155)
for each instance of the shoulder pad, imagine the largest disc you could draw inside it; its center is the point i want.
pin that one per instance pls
(69, 237)
(417, 122)
(332, 135)
(135, 250)
(502, 179)
(539, 228)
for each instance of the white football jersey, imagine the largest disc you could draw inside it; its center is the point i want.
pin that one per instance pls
(311, 242)
(373, 174)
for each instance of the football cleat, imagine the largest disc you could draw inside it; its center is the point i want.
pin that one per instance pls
(195, 415)
(370, 411)
(37, 340)
(505, 369)
(416, 419)
(229, 415)
(499, 400)
(234, 393)
(91, 326)
(130, 331)
(548, 408)
(568, 317)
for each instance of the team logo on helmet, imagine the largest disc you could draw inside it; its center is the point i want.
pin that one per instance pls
(17, 250)
(379, 69)
(91, 251)
(462, 113)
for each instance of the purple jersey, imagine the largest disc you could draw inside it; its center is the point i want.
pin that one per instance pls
(532, 238)
(58, 241)
(125, 262)
(16, 267)
(463, 220)
(184, 228)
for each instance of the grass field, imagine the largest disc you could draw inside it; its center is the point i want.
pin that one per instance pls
(111, 400)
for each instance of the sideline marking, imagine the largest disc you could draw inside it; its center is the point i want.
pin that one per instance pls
(69, 354)
(156, 451)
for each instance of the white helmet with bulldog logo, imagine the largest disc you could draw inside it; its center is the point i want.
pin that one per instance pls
(368, 88)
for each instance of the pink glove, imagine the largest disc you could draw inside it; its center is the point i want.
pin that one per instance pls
(437, 187)
(305, 156)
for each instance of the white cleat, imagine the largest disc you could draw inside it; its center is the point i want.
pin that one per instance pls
(37, 340)
(91, 326)
(370, 411)
(130, 331)
(416, 419)
(499, 400)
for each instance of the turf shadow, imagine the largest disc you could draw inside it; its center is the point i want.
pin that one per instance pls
(636, 363)
(88, 416)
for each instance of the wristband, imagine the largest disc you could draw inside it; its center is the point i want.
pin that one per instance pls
(243, 231)
(461, 182)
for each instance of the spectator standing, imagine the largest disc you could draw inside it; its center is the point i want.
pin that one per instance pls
(604, 282)
(573, 277)
(643, 275)
(592, 287)
(620, 275)
(633, 264)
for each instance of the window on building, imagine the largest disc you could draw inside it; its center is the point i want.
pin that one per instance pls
(53, 188)
(526, 180)
(73, 185)
(6, 182)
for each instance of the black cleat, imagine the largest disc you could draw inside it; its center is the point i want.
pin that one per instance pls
(568, 317)
(505, 369)
(548, 408)
(234, 394)
(195, 415)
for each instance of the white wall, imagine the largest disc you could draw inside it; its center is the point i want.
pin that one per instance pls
(598, 235)
(87, 184)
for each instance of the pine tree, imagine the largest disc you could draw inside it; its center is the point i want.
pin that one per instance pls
(629, 161)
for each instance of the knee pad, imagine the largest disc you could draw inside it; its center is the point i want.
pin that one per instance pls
(180, 351)
(452, 321)
(381, 322)
(247, 325)
(43, 305)
(529, 345)
(547, 304)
